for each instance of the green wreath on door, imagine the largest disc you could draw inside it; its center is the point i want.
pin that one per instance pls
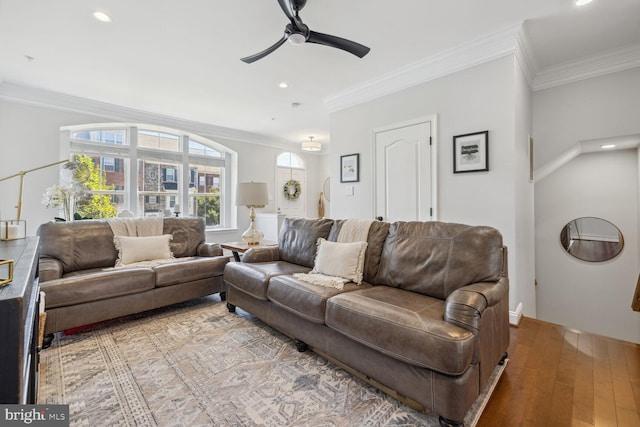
(292, 189)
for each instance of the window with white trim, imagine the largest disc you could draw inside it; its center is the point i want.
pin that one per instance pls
(155, 171)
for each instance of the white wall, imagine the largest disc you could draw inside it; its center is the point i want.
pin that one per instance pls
(30, 136)
(602, 185)
(594, 297)
(600, 107)
(524, 199)
(477, 99)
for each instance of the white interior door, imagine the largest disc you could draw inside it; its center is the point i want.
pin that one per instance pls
(291, 208)
(403, 173)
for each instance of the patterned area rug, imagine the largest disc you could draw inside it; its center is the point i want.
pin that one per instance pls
(195, 364)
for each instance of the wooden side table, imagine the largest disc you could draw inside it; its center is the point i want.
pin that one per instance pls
(237, 248)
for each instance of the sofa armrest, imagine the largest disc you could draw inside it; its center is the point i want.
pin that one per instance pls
(49, 269)
(464, 307)
(209, 250)
(264, 254)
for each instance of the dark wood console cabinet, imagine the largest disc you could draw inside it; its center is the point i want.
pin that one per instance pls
(19, 323)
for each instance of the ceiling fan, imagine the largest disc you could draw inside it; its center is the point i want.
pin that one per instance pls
(298, 33)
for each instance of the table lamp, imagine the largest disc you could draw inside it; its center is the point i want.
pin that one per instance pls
(16, 228)
(252, 195)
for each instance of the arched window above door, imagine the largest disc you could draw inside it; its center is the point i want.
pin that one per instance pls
(290, 160)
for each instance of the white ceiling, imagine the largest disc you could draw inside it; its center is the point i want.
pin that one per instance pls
(182, 58)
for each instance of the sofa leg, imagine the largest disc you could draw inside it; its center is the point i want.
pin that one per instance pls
(223, 296)
(504, 357)
(450, 423)
(231, 308)
(300, 346)
(47, 340)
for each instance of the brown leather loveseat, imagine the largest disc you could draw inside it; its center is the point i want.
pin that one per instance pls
(428, 324)
(82, 286)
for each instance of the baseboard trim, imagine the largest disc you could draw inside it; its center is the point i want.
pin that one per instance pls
(515, 316)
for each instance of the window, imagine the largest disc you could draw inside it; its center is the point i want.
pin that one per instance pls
(151, 170)
(290, 160)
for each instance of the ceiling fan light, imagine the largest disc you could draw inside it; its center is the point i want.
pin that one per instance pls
(297, 38)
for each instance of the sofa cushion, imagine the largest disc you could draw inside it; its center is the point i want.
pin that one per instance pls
(188, 234)
(375, 242)
(78, 245)
(79, 288)
(298, 238)
(253, 278)
(135, 249)
(304, 299)
(344, 260)
(436, 258)
(404, 325)
(189, 270)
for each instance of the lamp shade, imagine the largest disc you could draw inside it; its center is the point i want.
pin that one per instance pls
(311, 146)
(252, 194)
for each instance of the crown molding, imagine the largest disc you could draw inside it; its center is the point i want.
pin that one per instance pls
(524, 55)
(48, 99)
(599, 65)
(476, 52)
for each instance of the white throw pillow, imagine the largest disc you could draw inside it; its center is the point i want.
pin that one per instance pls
(344, 260)
(134, 249)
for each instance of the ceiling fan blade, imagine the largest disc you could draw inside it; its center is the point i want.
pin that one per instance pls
(287, 9)
(267, 51)
(338, 42)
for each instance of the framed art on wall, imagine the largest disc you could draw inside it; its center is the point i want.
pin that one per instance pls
(471, 152)
(350, 168)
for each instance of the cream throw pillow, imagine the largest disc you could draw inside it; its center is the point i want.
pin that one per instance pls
(134, 249)
(344, 260)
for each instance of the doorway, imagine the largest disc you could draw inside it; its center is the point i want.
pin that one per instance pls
(405, 172)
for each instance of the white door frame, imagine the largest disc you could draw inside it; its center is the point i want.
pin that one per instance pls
(433, 120)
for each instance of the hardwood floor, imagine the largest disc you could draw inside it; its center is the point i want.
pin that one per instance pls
(561, 377)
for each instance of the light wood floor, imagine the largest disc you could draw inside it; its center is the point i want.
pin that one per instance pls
(561, 377)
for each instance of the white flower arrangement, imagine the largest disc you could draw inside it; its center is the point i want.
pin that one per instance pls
(65, 198)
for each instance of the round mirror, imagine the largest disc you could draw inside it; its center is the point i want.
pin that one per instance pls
(591, 239)
(326, 189)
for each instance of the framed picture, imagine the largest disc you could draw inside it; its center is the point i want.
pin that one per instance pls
(350, 168)
(471, 152)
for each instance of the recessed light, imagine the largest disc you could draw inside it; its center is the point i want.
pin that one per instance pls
(283, 85)
(582, 2)
(101, 16)
(608, 146)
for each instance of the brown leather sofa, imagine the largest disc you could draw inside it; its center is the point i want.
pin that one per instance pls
(82, 287)
(428, 324)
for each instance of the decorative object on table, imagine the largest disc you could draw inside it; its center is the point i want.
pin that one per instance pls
(21, 174)
(252, 195)
(292, 189)
(471, 152)
(13, 229)
(350, 168)
(6, 271)
(66, 199)
(311, 145)
(17, 221)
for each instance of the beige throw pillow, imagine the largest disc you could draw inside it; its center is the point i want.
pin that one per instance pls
(134, 249)
(344, 260)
